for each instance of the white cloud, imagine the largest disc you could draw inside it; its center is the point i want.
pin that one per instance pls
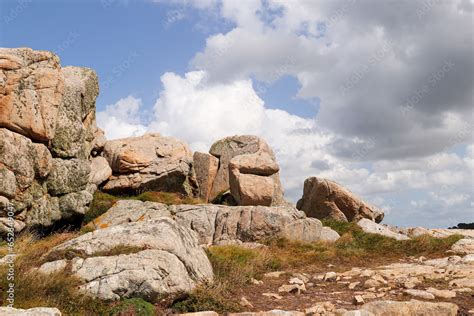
(122, 119)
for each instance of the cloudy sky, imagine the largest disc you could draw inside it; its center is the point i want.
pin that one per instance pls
(377, 95)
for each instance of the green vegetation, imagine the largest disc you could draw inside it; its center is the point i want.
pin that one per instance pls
(133, 306)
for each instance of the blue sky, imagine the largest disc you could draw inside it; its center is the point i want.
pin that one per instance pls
(130, 43)
(326, 83)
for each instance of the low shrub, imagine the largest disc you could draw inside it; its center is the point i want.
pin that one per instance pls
(133, 306)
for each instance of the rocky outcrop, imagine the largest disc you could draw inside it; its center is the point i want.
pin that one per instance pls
(149, 163)
(140, 259)
(248, 168)
(369, 226)
(463, 246)
(326, 199)
(218, 224)
(47, 136)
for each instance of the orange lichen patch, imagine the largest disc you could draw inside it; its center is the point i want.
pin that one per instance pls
(141, 218)
(104, 225)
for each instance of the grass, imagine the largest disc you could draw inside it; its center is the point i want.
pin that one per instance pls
(60, 289)
(104, 201)
(235, 266)
(133, 306)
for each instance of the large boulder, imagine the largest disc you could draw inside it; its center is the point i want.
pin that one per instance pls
(248, 168)
(149, 163)
(48, 135)
(31, 91)
(324, 198)
(217, 224)
(139, 259)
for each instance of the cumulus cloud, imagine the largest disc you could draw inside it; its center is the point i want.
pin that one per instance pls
(122, 119)
(399, 75)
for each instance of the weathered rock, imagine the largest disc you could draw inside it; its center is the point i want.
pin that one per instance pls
(75, 125)
(100, 170)
(167, 259)
(326, 199)
(37, 311)
(465, 246)
(410, 308)
(8, 182)
(126, 211)
(31, 92)
(68, 176)
(369, 226)
(420, 294)
(45, 111)
(215, 224)
(149, 163)
(249, 189)
(441, 293)
(240, 157)
(205, 167)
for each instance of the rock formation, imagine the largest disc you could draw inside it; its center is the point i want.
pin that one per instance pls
(246, 166)
(326, 199)
(149, 163)
(48, 135)
(218, 224)
(160, 257)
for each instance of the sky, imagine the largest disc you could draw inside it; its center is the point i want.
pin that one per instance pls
(376, 95)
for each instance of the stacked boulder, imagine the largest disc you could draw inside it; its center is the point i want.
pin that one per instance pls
(246, 166)
(149, 163)
(324, 198)
(48, 136)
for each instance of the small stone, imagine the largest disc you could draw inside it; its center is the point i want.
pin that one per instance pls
(371, 283)
(353, 285)
(274, 274)
(273, 295)
(292, 288)
(441, 293)
(330, 277)
(256, 282)
(420, 294)
(358, 300)
(245, 303)
(320, 308)
(296, 281)
(369, 296)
